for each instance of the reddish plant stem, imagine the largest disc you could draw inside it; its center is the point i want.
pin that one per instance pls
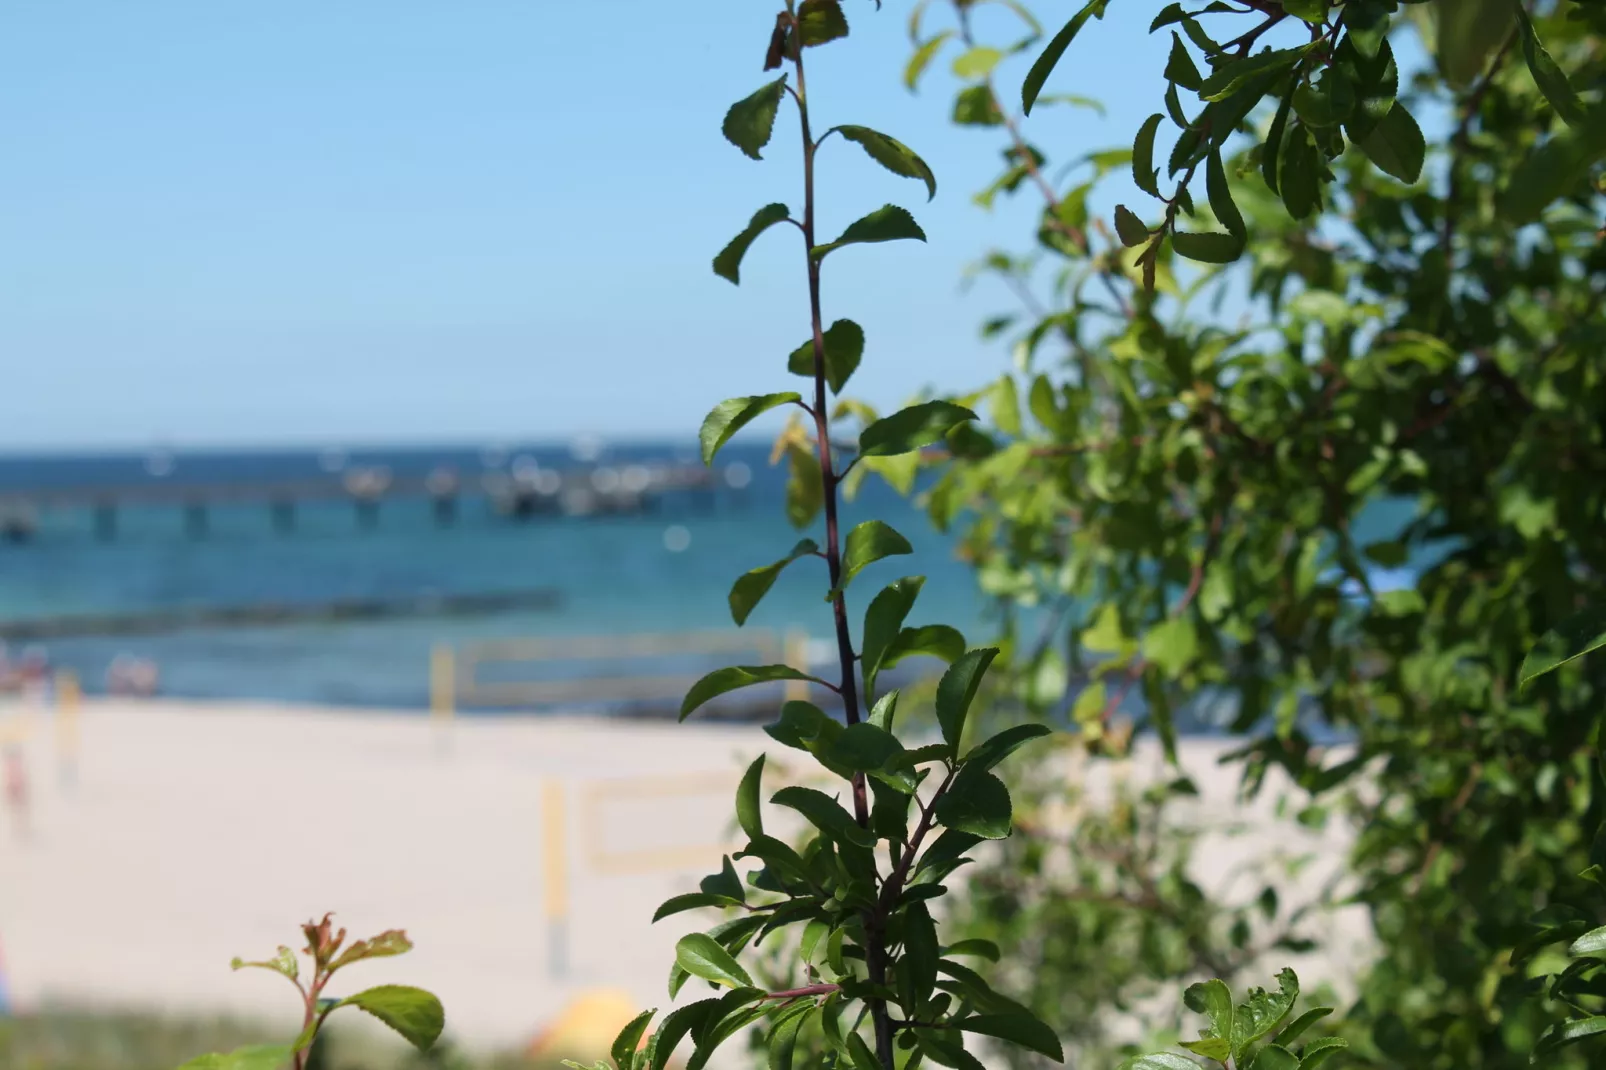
(310, 995)
(894, 885)
(875, 948)
(806, 990)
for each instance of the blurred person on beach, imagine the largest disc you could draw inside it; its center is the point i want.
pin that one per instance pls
(10, 675)
(128, 675)
(33, 673)
(15, 785)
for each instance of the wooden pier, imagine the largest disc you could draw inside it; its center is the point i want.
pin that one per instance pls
(596, 490)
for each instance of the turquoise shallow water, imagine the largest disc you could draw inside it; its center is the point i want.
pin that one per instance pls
(666, 571)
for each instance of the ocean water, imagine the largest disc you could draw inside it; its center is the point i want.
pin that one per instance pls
(662, 571)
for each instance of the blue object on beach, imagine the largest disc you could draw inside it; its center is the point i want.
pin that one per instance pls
(5, 994)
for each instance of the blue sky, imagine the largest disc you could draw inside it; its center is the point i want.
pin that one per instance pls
(412, 220)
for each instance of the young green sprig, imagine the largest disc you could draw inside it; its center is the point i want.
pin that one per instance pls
(871, 972)
(414, 1013)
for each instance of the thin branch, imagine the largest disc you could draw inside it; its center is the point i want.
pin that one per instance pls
(894, 884)
(875, 950)
(1244, 43)
(801, 993)
(1461, 140)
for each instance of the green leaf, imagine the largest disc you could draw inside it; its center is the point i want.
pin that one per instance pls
(725, 884)
(676, 1024)
(898, 472)
(1180, 68)
(805, 492)
(1574, 637)
(944, 1048)
(1300, 172)
(1555, 169)
(1468, 33)
(728, 679)
(988, 754)
(922, 59)
(1271, 151)
(750, 121)
(1074, 100)
(1550, 78)
(863, 747)
(860, 1055)
(776, 855)
(283, 962)
(1311, 11)
(1143, 171)
(1328, 101)
(868, 543)
(386, 944)
(748, 815)
(1171, 13)
(882, 620)
(844, 348)
(1220, 194)
(825, 814)
(892, 154)
(1319, 1051)
(1396, 145)
(1367, 25)
(1263, 1012)
(1160, 1060)
(1296, 1028)
(884, 711)
(1564, 1033)
(1132, 230)
(690, 901)
(255, 1057)
(1375, 81)
(889, 808)
(1591, 944)
(751, 587)
(976, 106)
(1045, 64)
(1214, 1048)
(728, 264)
(985, 949)
(931, 640)
(978, 803)
(701, 956)
(1272, 1057)
(1208, 248)
(887, 223)
(820, 21)
(1171, 645)
(957, 689)
(1212, 999)
(1234, 75)
(921, 950)
(1022, 1029)
(977, 62)
(628, 1042)
(414, 1013)
(912, 428)
(783, 1039)
(731, 415)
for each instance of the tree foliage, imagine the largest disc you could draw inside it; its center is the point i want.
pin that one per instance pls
(1333, 487)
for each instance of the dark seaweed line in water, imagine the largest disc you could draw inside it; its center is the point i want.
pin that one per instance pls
(157, 622)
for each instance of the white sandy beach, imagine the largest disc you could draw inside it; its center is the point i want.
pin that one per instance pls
(190, 833)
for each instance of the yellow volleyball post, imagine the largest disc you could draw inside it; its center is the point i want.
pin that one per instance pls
(797, 656)
(555, 848)
(68, 697)
(442, 690)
